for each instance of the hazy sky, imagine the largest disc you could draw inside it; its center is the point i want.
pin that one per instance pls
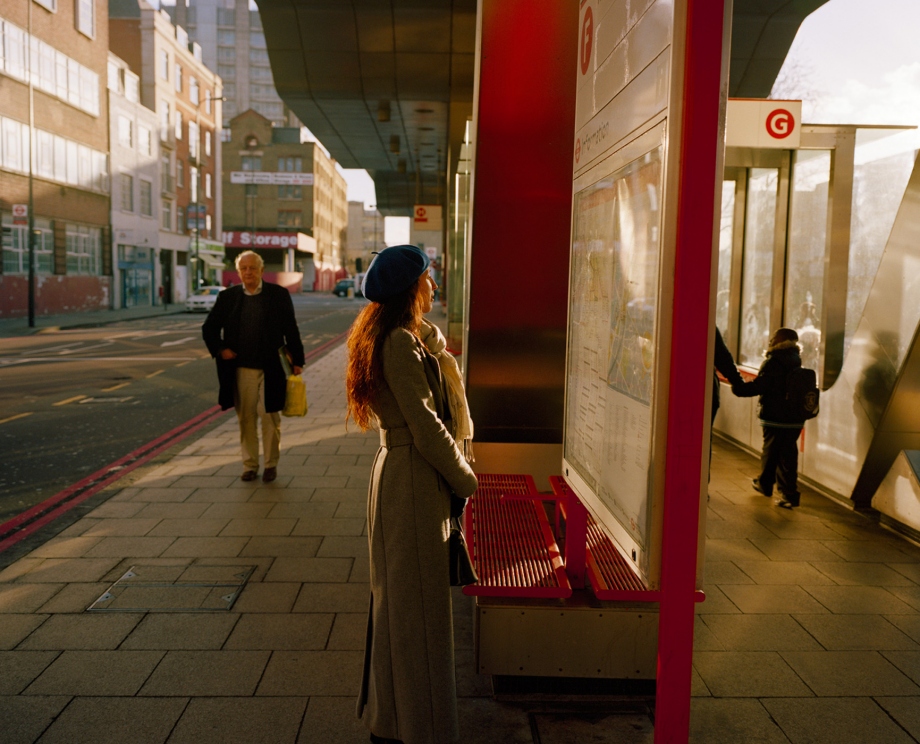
(862, 59)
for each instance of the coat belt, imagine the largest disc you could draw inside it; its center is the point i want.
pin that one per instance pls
(401, 436)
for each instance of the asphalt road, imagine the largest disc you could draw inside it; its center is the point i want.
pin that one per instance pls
(76, 400)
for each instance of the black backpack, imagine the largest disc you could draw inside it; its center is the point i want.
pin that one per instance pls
(802, 394)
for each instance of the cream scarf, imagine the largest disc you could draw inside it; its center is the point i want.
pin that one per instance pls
(456, 396)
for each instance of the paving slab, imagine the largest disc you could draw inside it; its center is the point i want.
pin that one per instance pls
(724, 721)
(206, 673)
(849, 673)
(20, 668)
(105, 673)
(856, 633)
(68, 570)
(838, 720)
(333, 597)
(332, 720)
(274, 596)
(859, 599)
(14, 628)
(905, 711)
(24, 597)
(772, 599)
(181, 631)
(862, 574)
(24, 719)
(82, 631)
(748, 674)
(323, 673)
(907, 661)
(287, 545)
(349, 632)
(759, 633)
(287, 568)
(240, 720)
(104, 720)
(281, 632)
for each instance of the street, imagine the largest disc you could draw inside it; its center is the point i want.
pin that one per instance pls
(75, 400)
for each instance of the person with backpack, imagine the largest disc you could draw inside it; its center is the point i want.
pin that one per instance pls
(788, 396)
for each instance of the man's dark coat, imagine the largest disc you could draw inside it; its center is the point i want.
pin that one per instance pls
(221, 331)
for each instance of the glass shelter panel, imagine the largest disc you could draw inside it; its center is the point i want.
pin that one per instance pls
(757, 267)
(807, 241)
(726, 233)
(612, 338)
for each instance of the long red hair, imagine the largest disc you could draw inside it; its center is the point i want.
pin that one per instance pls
(364, 374)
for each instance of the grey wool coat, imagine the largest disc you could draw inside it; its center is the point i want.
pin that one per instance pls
(408, 690)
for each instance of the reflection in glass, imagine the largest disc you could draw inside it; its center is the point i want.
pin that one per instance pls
(883, 165)
(723, 281)
(757, 269)
(807, 241)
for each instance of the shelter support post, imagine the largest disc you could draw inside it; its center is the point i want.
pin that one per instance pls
(702, 100)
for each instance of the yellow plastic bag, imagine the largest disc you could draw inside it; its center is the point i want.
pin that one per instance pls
(295, 402)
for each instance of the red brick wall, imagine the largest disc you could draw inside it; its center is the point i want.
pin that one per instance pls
(54, 294)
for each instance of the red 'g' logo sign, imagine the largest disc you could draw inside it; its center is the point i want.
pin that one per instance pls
(587, 39)
(780, 123)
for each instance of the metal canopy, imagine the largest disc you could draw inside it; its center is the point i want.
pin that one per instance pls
(387, 85)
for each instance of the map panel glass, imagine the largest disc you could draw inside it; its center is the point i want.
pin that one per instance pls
(612, 338)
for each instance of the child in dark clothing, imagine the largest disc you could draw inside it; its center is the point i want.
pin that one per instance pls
(781, 426)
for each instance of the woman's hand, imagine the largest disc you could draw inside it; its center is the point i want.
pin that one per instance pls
(227, 354)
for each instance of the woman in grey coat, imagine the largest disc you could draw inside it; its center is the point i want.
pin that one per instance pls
(395, 383)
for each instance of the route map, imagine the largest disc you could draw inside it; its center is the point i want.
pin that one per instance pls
(611, 359)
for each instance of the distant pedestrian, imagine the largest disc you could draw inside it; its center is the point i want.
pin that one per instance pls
(781, 423)
(244, 332)
(400, 379)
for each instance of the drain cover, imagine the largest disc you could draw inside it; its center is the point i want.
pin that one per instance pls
(174, 589)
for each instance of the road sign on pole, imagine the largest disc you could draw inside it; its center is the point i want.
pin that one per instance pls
(20, 214)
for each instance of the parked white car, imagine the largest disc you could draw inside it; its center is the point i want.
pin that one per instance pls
(203, 299)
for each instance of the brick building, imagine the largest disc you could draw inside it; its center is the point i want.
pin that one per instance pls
(185, 95)
(298, 190)
(69, 147)
(365, 235)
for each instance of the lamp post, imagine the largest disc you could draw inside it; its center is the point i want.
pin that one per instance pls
(31, 223)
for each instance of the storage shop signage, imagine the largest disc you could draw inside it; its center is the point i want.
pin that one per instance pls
(260, 240)
(763, 123)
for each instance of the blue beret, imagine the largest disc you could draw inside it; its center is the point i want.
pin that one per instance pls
(393, 271)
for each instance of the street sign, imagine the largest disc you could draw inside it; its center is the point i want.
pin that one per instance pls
(271, 179)
(763, 123)
(20, 214)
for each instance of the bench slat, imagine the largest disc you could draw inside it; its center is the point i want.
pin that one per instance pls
(512, 545)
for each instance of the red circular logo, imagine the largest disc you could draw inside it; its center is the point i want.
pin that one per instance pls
(587, 39)
(577, 149)
(780, 123)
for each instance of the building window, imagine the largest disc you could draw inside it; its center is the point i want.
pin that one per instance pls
(164, 64)
(194, 139)
(132, 87)
(144, 141)
(178, 125)
(226, 38)
(290, 219)
(207, 142)
(193, 183)
(227, 73)
(291, 165)
(125, 131)
(180, 174)
(207, 185)
(86, 17)
(251, 163)
(180, 220)
(146, 195)
(166, 215)
(207, 103)
(49, 4)
(16, 249)
(193, 89)
(164, 120)
(226, 134)
(290, 192)
(127, 193)
(84, 249)
(178, 78)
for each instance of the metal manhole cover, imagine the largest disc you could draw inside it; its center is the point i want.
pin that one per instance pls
(174, 589)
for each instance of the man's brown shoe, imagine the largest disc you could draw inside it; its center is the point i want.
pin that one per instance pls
(269, 475)
(248, 475)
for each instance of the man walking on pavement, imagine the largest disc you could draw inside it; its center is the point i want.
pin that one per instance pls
(245, 331)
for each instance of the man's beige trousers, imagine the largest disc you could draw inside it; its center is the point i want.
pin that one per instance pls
(250, 407)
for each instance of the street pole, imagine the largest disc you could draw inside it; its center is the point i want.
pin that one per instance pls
(31, 221)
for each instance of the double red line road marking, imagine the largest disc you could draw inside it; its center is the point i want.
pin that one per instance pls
(32, 520)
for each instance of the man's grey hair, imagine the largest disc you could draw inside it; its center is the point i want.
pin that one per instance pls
(243, 255)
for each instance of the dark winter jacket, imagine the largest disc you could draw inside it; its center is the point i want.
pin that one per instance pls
(221, 331)
(770, 385)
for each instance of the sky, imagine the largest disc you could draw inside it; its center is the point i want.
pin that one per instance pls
(857, 62)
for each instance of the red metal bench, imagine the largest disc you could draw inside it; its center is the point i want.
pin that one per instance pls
(511, 542)
(609, 574)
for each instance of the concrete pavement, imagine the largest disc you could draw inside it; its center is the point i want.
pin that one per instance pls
(810, 631)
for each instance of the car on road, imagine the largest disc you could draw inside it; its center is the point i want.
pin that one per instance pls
(343, 285)
(202, 300)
